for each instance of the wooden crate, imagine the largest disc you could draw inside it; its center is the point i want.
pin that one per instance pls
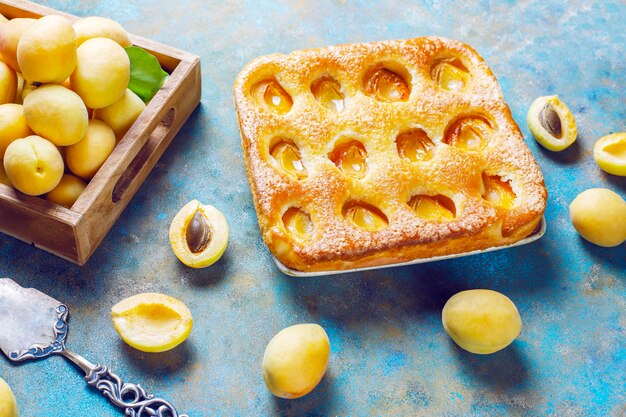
(74, 234)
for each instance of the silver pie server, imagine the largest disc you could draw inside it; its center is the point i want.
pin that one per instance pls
(35, 326)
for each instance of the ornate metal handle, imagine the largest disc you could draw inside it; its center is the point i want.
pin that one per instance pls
(131, 397)
(135, 401)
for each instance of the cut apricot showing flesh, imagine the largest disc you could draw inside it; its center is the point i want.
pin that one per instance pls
(287, 154)
(470, 133)
(498, 192)
(610, 153)
(552, 123)
(199, 235)
(152, 322)
(271, 94)
(365, 216)
(327, 91)
(434, 208)
(350, 157)
(298, 224)
(386, 85)
(414, 145)
(450, 74)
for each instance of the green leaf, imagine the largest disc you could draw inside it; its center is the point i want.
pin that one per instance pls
(146, 74)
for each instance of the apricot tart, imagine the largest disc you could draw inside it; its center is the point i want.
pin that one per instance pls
(370, 154)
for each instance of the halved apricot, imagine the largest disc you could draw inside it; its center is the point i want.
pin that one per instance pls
(471, 133)
(552, 123)
(287, 154)
(152, 322)
(328, 92)
(271, 94)
(498, 191)
(434, 208)
(365, 216)
(414, 145)
(610, 153)
(199, 234)
(351, 158)
(450, 74)
(298, 223)
(386, 85)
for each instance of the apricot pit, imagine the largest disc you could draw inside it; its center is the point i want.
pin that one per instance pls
(198, 234)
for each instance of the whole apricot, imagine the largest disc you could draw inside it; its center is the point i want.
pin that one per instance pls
(481, 321)
(67, 192)
(295, 360)
(46, 52)
(57, 114)
(87, 156)
(34, 165)
(599, 216)
(10, 35)
(102, 73)
(121, 115)
(8, 84)
(101, 27)
(4, 179)
(12, 125)
(8, 405)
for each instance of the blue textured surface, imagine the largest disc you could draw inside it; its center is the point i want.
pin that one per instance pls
(390, 355)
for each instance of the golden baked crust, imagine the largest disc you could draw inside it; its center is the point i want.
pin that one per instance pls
(471, 138)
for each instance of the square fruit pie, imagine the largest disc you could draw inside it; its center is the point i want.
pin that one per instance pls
(378, 153)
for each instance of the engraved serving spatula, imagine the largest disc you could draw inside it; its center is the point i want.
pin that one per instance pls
(34, 325)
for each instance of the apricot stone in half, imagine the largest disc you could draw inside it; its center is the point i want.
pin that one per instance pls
(199, 234)
(152, 322)
(552, 123)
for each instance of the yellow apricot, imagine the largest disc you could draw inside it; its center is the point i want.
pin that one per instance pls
(121, 115)
(295, 360)
(152, 322)
(101, 27)
(57, 114)
(599, 216)
(67, 192)
(198, 234)
(481, 321)
(8, 84)
(8, 405)
(34, 165)
(46, 52)
(12, 125)
(19, 88)
(26, 90)
(609, 153)
(4, 179)
(87, 156)
(10, 34)
(3, 19)
(102, 73)
(552, 123)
